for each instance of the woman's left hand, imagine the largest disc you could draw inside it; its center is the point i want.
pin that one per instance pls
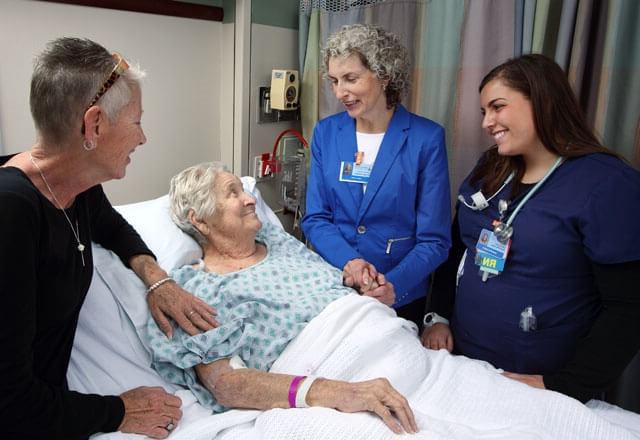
(192, 314)
(533, 380)
(377, 396)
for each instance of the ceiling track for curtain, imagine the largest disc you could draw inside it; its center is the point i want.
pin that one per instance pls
(306, 6)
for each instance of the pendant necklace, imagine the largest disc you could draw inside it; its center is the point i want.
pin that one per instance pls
(76, 231)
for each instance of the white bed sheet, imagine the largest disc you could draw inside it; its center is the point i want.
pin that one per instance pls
(357, 338)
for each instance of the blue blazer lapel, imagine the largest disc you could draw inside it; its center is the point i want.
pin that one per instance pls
(347, 148)
(393, 141)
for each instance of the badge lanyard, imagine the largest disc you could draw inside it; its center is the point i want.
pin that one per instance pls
(493, 246)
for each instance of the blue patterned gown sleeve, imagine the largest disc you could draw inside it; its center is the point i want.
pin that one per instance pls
(260, 310)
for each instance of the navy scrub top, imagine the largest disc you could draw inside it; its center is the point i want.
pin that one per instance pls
(587, 211)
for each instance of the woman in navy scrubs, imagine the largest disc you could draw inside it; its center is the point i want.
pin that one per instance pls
(548, 226)
(378, 203)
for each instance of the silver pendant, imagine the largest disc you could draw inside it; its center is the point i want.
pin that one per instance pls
(81, 249)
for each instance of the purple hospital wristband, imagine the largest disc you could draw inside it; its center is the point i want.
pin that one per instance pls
(293, 390)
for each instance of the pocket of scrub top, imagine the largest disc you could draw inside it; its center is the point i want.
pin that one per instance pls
(547, 350)
(398, 247)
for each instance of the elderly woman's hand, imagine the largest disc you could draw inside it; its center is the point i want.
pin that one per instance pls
(171, 301)
(382, 290)
(359, 274)
(438, 336)
(377, 396)
(249, 388)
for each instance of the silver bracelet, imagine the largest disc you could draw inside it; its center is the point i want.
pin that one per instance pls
(157, 284)
(303, 389)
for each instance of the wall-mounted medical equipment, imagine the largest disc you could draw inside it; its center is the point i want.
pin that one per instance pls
(285, 89)
(289, 171)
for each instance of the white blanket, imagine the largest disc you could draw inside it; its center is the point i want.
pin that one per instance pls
(453, 397)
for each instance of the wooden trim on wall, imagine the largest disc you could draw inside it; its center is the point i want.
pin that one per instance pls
(160, 7)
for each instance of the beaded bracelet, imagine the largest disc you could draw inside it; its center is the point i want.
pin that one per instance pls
(157, 284)
(303, 390)
(293, 389)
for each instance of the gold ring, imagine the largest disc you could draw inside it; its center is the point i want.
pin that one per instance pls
(191, 313)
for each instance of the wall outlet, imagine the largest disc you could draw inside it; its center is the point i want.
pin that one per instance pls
(264, 166)
(265, 113)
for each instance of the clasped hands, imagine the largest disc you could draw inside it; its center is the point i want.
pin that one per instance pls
(365, 278)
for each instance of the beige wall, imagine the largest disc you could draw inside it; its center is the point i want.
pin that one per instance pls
(181, 94)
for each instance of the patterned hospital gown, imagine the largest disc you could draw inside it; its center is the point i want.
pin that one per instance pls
(260, 310)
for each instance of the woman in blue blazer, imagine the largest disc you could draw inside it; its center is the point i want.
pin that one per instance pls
(378, 202)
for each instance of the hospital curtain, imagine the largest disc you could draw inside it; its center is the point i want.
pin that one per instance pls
(454, 43)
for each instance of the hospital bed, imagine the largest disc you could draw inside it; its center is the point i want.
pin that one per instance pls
(453, 398)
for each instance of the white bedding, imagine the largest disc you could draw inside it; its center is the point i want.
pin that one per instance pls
(353, 339)
(453, 397)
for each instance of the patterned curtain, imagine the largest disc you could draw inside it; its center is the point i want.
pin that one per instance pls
(454, 43)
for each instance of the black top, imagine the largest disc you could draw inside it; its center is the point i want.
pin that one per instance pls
(602, 355)
(43, 284)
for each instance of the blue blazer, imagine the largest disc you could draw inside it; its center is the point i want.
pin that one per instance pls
(402, 223)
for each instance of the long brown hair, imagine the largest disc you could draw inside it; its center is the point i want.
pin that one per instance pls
(558, 119)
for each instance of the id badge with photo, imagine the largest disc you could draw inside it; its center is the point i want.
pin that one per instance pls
(491, 254)
(354, 172)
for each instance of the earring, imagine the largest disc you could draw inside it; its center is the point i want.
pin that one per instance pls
(89, 145)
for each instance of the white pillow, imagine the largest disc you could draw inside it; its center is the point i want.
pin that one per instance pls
(172, 247)
(108, 357)
(151, 219)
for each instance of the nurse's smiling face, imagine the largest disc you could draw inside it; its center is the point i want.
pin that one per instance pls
(508, 119)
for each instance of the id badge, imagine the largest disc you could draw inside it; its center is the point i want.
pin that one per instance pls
(490, 253)
(354, 173)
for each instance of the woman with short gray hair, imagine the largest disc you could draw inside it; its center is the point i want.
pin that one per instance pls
(87, 109)
(378, 203)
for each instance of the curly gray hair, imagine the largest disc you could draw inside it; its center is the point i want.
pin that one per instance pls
(192, 190)
(66, 76)
(379, 51)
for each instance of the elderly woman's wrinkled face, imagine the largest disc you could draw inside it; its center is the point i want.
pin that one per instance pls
(357, 88)
(235, 213)
(120, 138)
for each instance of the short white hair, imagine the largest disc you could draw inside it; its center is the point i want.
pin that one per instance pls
(192, 190)
(119, 95)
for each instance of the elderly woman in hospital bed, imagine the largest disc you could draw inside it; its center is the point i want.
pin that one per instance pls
(266, 287)
(287, 323)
